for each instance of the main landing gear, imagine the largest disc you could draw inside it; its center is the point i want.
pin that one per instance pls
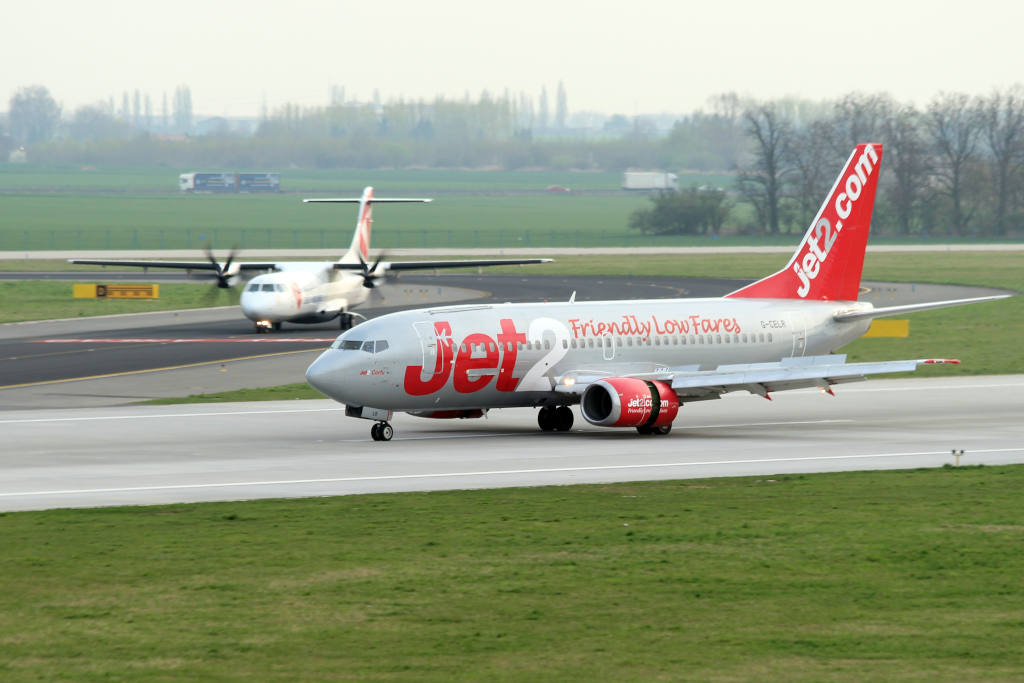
(382, 431)
(660, 431)
(555, 418)
(345, 322)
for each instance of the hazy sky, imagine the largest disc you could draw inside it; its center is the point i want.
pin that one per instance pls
(616, 57)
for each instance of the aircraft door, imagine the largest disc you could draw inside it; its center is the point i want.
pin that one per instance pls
(799, 327)
(430, 347)
(609, 348)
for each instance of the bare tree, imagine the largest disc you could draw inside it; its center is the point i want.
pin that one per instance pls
(907, 160)
(561, 107)
(762, 184)
(857, 118)
(542, 113)
(954, 124)
(33, 115)
(809, 152)
(1003, 124)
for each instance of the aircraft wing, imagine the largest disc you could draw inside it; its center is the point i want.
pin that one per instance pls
(430, 265)
(692, 384)
(183, 265)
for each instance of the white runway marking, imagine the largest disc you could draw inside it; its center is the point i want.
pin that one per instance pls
(163, 415)
(544, 470)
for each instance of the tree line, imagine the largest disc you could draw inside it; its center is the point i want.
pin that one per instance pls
(954, 167)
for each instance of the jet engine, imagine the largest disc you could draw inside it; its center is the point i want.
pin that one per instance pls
(629, 402)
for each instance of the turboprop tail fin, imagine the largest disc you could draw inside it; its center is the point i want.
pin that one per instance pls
(828, 263)
(359, 251)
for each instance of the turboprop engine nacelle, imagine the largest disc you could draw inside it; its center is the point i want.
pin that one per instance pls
(629, 402)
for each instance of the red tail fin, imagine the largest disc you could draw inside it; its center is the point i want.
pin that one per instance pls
(828, 263)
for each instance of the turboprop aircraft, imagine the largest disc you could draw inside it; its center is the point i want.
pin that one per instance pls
(629, 363)
(317, 291)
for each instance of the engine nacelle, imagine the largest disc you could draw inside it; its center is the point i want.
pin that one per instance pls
(467, 414)
(629, 402)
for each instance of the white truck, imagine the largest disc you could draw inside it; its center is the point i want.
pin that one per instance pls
(649, 180)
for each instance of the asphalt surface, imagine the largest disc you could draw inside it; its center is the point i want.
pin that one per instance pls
(176, 454)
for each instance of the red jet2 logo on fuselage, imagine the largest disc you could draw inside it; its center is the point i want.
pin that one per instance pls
(497, 355)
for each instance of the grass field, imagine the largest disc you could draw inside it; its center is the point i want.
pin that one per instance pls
(860, 576)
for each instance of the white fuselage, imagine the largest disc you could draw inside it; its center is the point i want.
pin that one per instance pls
(490, 356)
(302, 292)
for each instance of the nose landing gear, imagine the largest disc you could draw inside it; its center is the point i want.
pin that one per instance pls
(382, 431)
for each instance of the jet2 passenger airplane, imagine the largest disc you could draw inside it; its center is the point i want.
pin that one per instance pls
(629, 363)
(312, 292)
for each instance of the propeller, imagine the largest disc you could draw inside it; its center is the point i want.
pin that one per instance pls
(225, 278)
(370, 279)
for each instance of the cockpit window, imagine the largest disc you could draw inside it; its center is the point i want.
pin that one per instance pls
(268, 288)
(278, 287)
(357, 345)
(254, 287)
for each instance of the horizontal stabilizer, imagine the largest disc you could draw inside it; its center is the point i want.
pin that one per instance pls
(375, 200)
(430, 265)
(910, 308)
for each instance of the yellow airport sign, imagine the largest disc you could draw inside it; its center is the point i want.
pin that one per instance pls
(889, 328)
(94, 291)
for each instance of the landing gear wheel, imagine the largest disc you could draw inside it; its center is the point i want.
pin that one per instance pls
(381, 431)
(657, 431)
(563, 418)
(546, 419)
(345, 321)
(277, 327)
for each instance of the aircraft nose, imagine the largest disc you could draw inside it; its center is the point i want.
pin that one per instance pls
(328, 374)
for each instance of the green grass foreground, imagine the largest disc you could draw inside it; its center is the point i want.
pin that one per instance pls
(911, 575)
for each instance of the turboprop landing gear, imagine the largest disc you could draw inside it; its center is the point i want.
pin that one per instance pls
(263, 326)
(345, 321)
(555, 419)
(382, 431)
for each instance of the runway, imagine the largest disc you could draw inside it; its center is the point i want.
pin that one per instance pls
(140, 455)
